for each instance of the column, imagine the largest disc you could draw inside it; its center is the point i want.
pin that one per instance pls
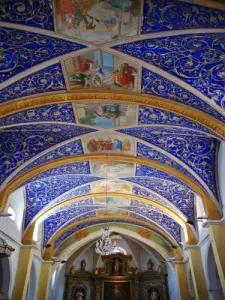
(217, 234)
(181, 274)
(198, 275)
(44, 280)
(23, 273)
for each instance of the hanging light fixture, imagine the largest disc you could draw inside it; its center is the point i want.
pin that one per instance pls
(104, 246)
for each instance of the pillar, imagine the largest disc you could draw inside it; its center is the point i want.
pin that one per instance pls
(181, 274)
(217, 235)
(23, 273)
(197, 272)
(44, 280)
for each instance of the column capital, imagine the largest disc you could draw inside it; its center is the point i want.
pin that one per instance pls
(206, 224)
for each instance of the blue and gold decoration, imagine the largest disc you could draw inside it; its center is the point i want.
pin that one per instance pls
(167, 15)
(49, 79)
(199, 61)
(21, 50)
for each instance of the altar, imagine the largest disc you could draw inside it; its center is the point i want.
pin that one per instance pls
(116, 280)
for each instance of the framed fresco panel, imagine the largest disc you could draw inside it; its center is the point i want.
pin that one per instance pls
(97, 21)
(108, 142)
(112, 170)
(101, 70)
(106, 116)
(109, 186)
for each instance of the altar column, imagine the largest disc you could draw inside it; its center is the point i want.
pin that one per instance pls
(23, 272)
(44, 280)
(181, 274)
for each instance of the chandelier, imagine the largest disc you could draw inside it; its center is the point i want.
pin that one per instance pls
(104, 246)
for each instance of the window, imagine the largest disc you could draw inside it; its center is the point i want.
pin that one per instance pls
(12, 212)
(119, 250)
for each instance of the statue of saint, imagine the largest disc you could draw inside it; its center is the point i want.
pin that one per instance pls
(116, 267)
(154, 295)
(150, 265)
(79, 296)
(72, 271)
(160, 269)
(83, 265)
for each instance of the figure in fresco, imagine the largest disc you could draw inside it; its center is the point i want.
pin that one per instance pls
(95, 20)
(108, 144)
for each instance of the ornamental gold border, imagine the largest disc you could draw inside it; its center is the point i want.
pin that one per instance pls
(210, 206)
(189, 233)
(49, 252)
(193, 114)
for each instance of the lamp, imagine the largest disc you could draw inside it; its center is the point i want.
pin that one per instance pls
(104, 246)
(5, 249)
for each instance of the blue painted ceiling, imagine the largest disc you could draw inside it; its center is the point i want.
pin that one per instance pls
(185, 67)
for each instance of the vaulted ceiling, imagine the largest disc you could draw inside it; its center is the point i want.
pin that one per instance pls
(112, 112)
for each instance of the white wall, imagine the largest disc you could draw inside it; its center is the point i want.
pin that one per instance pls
(8, 226)
(221, 174)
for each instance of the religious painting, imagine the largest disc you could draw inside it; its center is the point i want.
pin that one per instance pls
(117, 291)
(106, 116)
(108, 143)
(110, 202)
(111, 206)
(110, 186)
(97, 21)
(97, 69)
(111, 170)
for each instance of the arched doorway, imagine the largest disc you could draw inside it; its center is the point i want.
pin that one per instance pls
(4, 277)
(215, 289)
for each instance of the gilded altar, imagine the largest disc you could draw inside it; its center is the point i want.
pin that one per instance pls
(116, 280)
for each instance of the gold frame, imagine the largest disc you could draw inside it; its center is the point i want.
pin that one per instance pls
(117, 280)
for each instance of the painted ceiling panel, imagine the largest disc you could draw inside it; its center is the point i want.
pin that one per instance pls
(153, 116)
(33, 13)
(166, 223)
(199, 153)
(62, 218)
(154, 84)
(80, 227)
(166, 15)
(177, 194)
(71, 169)
(50, 113)
(49, 79)
(142, 170)
(18, 144)
(86, 189)
(42, 192)
(152, 154)
(65, 150)
(199, 61)
(137, 190)
(54, 222)
(23, 50)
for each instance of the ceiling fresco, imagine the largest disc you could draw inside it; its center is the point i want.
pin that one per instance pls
(102, 157)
